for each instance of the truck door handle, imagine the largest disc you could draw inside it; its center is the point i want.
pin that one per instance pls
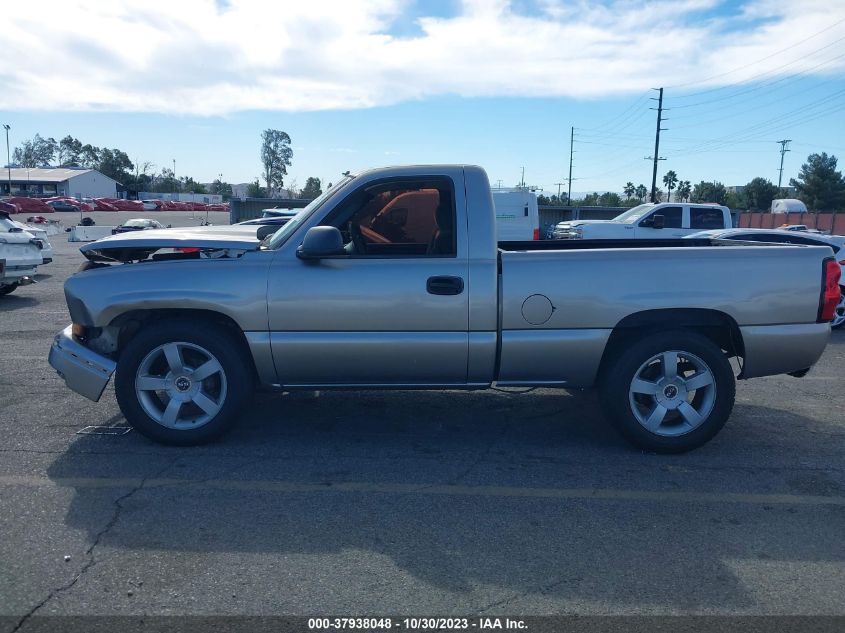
(444, 285)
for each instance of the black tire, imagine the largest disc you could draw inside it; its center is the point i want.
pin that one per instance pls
(8, 288)
(218, 341)
(619, 403)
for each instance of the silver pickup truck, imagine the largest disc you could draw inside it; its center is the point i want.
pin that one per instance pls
(393, 279)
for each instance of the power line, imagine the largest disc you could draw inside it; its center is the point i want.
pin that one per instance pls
(751, 131)
(571, 145)
(784, 148)
(762, 59)
(656, 156)
(793, 77)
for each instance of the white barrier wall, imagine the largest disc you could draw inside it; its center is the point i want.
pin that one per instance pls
(88, 233)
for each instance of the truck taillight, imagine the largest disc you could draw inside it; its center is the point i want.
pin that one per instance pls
(830, 290)
(536, 234)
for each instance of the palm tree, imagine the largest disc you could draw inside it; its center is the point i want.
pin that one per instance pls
(684, 190)
(670, 180)
(641, 192)
(629, 190)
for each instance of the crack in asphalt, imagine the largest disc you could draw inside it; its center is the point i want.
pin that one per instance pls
(118, 509)
(522, 594)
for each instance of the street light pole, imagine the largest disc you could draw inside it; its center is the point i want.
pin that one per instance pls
(8, 158)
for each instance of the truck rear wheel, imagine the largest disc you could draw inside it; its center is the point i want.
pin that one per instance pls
(669, 392)
(182, 385)
(8, 288)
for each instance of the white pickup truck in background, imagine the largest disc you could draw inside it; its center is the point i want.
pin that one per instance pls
(649, 221)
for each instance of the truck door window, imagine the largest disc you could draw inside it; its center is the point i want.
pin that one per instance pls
(672, 217)
(706, 218)
(399, 218)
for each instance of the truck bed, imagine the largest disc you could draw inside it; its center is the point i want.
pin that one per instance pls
(570, 245)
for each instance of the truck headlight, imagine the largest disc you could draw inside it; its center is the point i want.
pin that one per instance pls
(577, 233)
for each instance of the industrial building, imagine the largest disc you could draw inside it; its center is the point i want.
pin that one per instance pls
(59, 181)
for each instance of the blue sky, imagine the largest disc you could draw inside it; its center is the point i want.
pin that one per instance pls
(359, 84)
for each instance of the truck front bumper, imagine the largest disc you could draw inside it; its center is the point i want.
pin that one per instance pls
(83, 370)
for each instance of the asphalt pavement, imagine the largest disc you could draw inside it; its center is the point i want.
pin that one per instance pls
(425, 503)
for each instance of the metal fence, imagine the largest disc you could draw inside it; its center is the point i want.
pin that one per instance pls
(833, 223)
(241, 209)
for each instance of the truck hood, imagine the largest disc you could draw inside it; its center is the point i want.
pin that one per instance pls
(583, 222)
(139, 245)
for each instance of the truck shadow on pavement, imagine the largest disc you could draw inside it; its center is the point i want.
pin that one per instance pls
(12, 302)
(408, 495)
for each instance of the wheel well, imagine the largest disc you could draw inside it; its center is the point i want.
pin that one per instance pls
(130, 323)
(717, 326)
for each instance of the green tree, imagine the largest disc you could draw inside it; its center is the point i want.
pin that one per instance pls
(629, 190)
(276, 154)
(819, 185)
(610, 199)
(165, 182)
(758, 194)
(709, 192)
(89, 156)
(641, 192)
(189, 185)
(312, 188)
(734, 201)
(255, 190)
(67, 152)
(115, 164)
(221, 188)
(37, 152)
(684, 190)
(670, 180)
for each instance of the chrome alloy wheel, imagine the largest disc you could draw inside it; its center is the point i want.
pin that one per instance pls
(672, 393)
(180, 385)
(839, 313)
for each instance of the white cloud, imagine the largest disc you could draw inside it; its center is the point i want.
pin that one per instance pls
(205, 57)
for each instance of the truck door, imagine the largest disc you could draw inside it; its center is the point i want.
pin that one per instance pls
(396, 310)
(672, 224)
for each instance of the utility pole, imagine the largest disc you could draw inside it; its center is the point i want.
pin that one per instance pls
(175, 182)
(784, 148)
(559, 184)
(571, 143)
(522, 180)
(656, 156)
(8, 159)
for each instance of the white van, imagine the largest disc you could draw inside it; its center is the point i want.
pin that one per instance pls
(517, 216)
(788, 205)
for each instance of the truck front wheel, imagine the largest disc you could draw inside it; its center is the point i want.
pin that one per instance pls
(669, 392)
(180, 384)
(8, 288)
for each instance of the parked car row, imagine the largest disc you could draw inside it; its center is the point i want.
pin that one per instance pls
(22, 249)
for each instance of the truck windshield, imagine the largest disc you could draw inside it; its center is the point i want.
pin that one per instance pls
(632, 215)
(281, 236)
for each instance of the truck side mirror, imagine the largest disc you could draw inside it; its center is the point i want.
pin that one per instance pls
(321, 241)
(658, 221)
